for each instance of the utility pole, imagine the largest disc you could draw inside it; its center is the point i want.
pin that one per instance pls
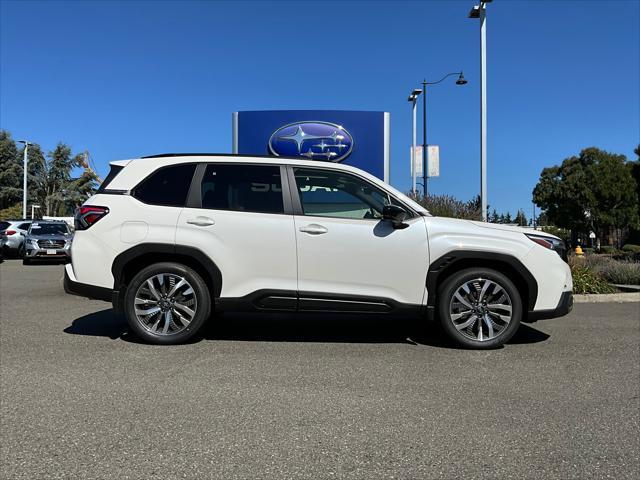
(480, 12)
(425, 173)
(412, 98)
(24, 177)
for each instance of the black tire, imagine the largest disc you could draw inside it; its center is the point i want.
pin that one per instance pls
(202, 302)
(26, 261)
(479, 276)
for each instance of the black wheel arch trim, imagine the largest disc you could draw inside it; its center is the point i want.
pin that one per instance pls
(451, 260)
(124, 258)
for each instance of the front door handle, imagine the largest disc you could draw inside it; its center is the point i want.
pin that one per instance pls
(314, 229)
(201, 221)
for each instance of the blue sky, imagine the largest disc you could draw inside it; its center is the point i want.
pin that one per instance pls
(124, 79)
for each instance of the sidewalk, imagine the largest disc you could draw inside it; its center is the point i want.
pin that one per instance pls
(607, 297)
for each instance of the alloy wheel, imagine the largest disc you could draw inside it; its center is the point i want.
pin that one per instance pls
(480, 309)
(165, 304)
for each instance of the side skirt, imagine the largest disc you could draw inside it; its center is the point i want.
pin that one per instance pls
(291, 301)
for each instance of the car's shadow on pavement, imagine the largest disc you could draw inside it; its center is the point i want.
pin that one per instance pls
(298, 328)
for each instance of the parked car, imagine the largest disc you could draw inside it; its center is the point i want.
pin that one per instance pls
(47, 240)
(12, 236)
(171, 239)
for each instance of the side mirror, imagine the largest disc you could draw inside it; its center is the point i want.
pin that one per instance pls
(396, 215)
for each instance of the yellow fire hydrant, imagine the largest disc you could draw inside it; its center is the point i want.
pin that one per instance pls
(579, 251)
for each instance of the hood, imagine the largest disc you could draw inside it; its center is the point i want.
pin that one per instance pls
(512, 228)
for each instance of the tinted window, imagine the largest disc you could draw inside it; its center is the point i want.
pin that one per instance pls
(244, 188)
(24, 226)
(4, 225)
(168, 186)
(48, 229)
(326, 193)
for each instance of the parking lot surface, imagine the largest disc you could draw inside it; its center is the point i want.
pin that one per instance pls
(321, 397)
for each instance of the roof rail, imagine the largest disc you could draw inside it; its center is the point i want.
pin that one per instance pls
(161, 155)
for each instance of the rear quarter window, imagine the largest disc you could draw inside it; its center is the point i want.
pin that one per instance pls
(115, 169)
(4, 225)
(167, 186)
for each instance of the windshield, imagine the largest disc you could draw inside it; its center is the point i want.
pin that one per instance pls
(48, 229)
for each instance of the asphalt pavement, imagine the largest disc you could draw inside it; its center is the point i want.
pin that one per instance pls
(310, 397)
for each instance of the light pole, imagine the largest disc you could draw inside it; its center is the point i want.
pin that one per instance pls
(33, 207)
(480, 11)
(412, 98)
(460, 81)
(24, 177)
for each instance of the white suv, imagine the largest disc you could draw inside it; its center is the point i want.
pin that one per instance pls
(172, 239)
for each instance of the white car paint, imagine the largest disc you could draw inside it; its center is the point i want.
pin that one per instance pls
(256, 251)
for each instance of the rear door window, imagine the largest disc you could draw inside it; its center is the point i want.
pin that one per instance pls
(242, 188)
(167, 186)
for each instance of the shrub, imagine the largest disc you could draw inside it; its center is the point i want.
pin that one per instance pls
(608, 249)
(630, 247)
(622, 273)
(586, 280)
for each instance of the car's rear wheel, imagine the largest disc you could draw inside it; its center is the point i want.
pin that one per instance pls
(167, 303)
(479, 308)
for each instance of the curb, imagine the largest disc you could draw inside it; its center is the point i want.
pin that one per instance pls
(607, 297)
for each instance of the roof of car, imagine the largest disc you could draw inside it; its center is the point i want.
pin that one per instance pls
(192, 154)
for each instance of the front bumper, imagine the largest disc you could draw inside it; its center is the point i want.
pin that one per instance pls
(36, 253)
(565, 305)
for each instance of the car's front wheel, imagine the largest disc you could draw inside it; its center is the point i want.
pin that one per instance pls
(479, 308)
(167, 303)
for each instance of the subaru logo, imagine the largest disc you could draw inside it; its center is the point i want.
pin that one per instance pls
(314, 140)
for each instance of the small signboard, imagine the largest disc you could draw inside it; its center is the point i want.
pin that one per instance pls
(416, 168)
(433, 160)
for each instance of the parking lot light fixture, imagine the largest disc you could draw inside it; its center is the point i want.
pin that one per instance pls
(480, 12)
(460, 81)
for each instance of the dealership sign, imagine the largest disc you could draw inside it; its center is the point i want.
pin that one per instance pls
(314, 140)
(354, 138)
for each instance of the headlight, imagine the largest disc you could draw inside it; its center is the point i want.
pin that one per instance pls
(551, 243)
(34, 242)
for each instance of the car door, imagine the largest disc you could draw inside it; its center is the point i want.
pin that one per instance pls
(347, 254)
(236, 215)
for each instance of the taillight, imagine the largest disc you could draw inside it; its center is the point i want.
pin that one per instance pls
(10, 232)
(87, 215)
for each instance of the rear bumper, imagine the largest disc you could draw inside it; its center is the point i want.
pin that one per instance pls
(72, 287)
(565, 305)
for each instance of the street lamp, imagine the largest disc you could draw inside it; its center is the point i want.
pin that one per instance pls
(33, 207)
(24, 177)
(480, 11)
(460, 81)
(412, 98)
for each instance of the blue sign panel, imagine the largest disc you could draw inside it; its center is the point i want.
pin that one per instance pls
(355, 138)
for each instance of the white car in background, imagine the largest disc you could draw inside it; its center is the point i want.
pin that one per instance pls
(172, 239)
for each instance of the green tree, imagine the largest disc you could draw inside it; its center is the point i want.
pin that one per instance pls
(593, 190)
(448, 206)
(507, 218)
(10, 171)
(521, 218)
(494, 218)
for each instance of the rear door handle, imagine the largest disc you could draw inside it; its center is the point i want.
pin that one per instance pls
(201, 221)
(314, 229)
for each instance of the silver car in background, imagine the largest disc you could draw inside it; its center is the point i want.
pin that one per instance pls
(48, 241)
(12, 234)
